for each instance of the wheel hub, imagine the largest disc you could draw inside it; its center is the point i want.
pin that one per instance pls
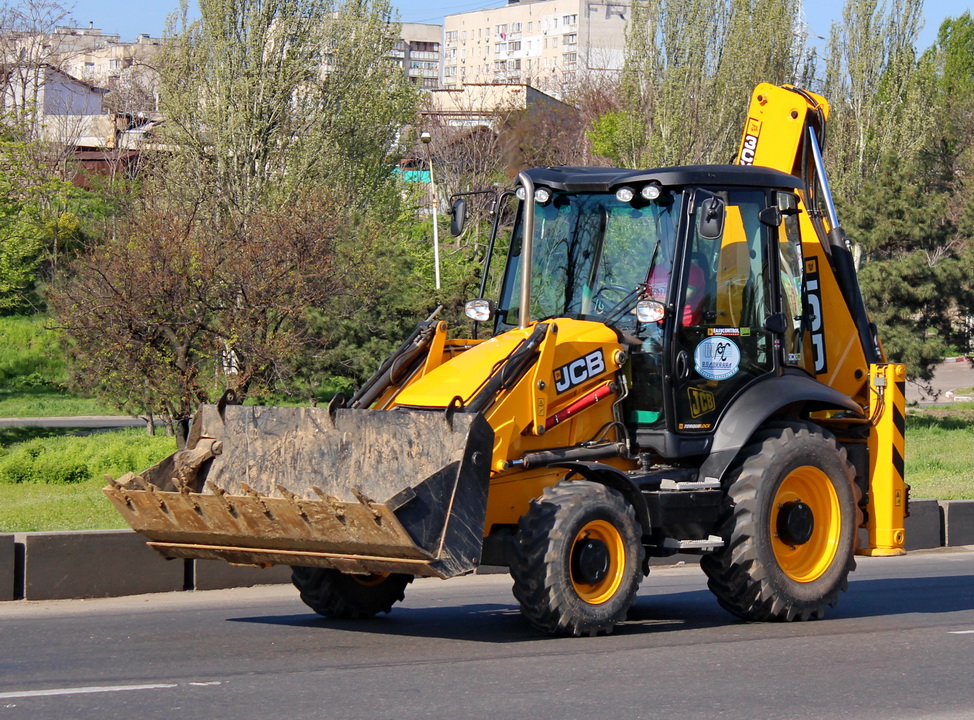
(795, 523)
(590, 561)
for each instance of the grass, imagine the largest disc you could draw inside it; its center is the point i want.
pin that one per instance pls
(30, 353)
(940, 452)
(27, 507)
(33, 373)
(49, 403)
(51, 479)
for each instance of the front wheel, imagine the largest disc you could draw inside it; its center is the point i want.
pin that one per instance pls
(336, 595)
(789, 526)
(577, 559)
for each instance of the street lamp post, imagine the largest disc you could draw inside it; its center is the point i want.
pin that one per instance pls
(425, 137)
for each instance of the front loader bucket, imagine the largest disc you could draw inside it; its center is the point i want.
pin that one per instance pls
(361, 491)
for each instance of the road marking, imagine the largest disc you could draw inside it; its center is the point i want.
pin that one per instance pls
(961, 632)
(82, 690)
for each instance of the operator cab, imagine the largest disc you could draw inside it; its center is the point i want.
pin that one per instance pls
(698, 269)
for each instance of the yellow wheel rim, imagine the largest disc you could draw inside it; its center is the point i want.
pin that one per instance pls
(370, 580)
(611, 559)
(806, 490)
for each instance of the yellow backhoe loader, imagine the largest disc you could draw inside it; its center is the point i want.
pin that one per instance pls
(679, 360)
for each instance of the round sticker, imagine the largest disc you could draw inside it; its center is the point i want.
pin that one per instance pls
(717, 358)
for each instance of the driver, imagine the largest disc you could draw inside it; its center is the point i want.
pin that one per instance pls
(659, 281)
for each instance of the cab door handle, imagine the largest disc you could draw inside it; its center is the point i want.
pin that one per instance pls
(682, 365)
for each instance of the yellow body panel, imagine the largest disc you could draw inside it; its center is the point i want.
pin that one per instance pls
(887, 506)
(575, 357)
(775, 122)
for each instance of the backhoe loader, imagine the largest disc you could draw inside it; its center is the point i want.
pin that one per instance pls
(675, 360)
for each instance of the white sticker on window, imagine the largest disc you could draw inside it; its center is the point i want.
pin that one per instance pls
(717, 358)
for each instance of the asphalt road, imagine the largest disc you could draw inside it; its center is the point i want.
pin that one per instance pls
(899, 645)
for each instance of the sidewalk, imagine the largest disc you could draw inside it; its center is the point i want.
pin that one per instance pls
(79, 421)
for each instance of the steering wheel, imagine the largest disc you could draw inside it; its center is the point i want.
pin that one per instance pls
(606, 298)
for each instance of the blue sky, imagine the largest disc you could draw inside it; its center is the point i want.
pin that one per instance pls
(129, 18)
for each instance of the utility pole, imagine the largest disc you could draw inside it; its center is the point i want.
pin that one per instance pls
(426, 138)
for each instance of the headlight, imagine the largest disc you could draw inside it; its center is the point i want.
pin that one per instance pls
(651, 191)
(650, 311)
(625, 194)
(542, 195)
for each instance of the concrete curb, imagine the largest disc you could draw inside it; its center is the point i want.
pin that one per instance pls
(8, 567)
(114, 563)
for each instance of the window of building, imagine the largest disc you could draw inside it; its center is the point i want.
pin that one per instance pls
(569, 19)
(571, 39)
(570, 57)
(515, 27)
(530, 27)
(500, 48)
(451, 36)
(514, 46)
(554, 41)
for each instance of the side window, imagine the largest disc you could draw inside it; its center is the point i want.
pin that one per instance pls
(790, 266)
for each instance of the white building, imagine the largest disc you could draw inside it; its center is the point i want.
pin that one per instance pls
(548, 44)
(418, 52)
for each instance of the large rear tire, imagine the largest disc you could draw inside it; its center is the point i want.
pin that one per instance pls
(336, 595)
(789, 526)
(577, 559)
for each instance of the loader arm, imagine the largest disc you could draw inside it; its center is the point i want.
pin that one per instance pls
(785, 130)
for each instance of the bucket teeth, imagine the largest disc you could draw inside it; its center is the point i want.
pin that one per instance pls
(221, 495)
(293, 499)
(156, 494)
(369, 503)
(333, 505)
(258, 497)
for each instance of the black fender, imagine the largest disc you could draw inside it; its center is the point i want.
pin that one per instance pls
(794, 390)
(615, 479)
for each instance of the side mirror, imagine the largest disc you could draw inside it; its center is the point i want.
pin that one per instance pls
(480, 310)
(711, 218)
(458, 216)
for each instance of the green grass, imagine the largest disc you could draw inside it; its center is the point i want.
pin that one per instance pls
(940, 452)
(28, 507)
(49, 403)
(51, 479)
(30, 353)
(33, 373)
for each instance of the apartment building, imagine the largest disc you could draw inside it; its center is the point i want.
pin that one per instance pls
(418, 52)
(104, 59)
(548, 44)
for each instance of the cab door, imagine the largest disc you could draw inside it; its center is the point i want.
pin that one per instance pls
(721, 340)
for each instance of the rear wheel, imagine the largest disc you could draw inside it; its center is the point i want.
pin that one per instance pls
(577, 559)
(336, 595)
(789, 527)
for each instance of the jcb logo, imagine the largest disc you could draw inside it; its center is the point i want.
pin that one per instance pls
(814, 294)
(701, 402)
(750, 145)
(578, 371)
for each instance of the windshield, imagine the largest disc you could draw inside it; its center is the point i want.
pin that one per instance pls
(592, 256)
